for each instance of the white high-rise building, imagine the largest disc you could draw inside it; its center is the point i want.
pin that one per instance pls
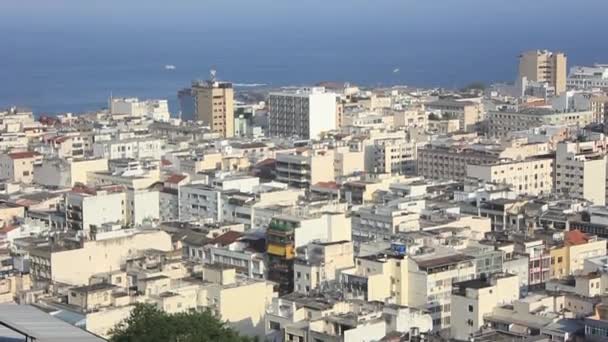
(304, 113)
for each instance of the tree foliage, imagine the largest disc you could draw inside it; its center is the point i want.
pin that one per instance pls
(477, 85)
(146, 323)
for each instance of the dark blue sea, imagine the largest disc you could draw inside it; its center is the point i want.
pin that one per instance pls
(70, 55)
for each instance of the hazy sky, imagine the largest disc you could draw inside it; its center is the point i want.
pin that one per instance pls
(297, 14)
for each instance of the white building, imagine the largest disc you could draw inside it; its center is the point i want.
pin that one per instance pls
(86, 207)
(304, 113)
(146, 148)
(532, 176)
(585, 77)
(580, 171)
(157, 110)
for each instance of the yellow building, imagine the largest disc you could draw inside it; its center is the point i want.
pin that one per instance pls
(559, 261)
(568, 258)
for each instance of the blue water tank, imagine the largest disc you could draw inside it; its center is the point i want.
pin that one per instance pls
(398, 248)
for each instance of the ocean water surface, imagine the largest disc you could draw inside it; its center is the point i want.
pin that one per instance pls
(70, 55)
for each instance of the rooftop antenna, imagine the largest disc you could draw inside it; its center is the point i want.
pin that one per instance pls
(213, 74)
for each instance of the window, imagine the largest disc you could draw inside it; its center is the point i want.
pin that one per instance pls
(470, 308)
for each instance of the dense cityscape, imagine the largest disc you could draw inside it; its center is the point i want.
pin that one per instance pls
(333, 212)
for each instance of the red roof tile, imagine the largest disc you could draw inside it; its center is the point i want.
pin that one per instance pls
(327, 185)
(175, 179)
(576, 237)
(226, 238)
(23, 155)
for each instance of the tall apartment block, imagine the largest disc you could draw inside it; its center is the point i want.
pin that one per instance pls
(581, 171)
(214, 105)
(304, 113)
(545, 67)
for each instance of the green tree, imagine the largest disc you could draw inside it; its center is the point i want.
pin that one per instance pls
(146, 323)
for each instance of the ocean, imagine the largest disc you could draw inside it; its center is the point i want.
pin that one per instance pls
(67, 56)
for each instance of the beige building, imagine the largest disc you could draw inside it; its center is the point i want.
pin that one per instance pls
(66, 173)
(379, 277)
(348, 161)
(19, 166)
(533, 176)
(214, 105)
(242, 302)
(502, 123)
(599, 107)
(305, 167)
(321, 263)
(9, 212)
(580, 171)
(544, 67)
(444, 126)
(75, 265)
(434, 274)
(208, 161)
(468, 113)
(473, 299)
(392, 156)
(415, 117)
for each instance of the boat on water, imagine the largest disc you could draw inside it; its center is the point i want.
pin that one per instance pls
(169, 67)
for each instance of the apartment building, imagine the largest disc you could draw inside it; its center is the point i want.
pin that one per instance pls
(468, 113)
(410, 117)
(157, 110)
(319, 263)
(588, 77)
(380, 277)
(348, 160)
(362, 191)
(64, 146)
(568, 256)
(532, 176)
(303, 113)
(144, 148)
(539, 259)
(305, 167)
(580, 171)
(473, 299)
(287, 233)
(599, 106)
(89, 208)
(433, 275)
(75, 265)
(19, 166)
(450, 162)
(392, 156)
(214, 105)
(60, 173)
(545, 67)
(502, 123)
(384, 221)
